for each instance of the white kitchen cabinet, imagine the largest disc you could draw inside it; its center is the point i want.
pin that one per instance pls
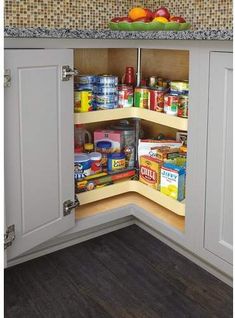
(38, 217)
(38, 146)
(219, 185)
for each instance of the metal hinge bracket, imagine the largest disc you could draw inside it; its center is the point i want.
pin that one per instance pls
(7, 78)
(9, 236)
(67, 72)
(69, 205)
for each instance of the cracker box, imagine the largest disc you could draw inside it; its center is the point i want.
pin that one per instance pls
(173, 181)
(150, 169)
(164, 153)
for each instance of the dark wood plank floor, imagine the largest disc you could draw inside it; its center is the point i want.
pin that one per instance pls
(124, 274)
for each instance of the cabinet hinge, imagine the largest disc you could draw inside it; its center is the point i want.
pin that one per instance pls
(69, 205)
(67, 72)
(7, 78)
(9, 236)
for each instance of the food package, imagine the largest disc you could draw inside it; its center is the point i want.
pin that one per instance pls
(150, 170)
(115, 137)
(147, 147)
(173, 181)
(164, 153)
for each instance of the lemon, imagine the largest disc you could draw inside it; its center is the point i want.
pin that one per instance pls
(160, 19)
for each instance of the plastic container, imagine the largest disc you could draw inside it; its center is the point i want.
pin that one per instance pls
(81, 136)
(116, 161)
(96, 158)
(82, 166)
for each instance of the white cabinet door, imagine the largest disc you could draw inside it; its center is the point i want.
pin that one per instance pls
(38, 146)
(219, 200)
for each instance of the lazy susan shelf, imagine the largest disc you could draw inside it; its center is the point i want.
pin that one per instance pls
(131, 112)
(132, 186)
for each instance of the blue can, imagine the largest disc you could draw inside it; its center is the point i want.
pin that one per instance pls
(86, 79)
(107, 80)
(116, 161)
(106, 99)
(99, 106)
(103, 90)
(84, 87)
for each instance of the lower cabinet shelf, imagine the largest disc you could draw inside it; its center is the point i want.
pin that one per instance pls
(133, 186)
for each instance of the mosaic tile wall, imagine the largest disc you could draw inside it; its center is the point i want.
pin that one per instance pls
(87, 14)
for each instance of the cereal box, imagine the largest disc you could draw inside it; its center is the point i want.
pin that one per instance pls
(150, 169)
(173, 181)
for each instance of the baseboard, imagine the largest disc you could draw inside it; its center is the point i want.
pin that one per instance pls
(72, 240)
(194, 258)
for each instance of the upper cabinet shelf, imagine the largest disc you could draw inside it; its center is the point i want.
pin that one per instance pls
(132, 112)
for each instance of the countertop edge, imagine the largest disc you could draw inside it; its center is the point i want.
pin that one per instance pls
(40, 33)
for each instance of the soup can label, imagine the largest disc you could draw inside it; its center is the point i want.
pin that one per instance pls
(107, 80)
(83, 101)
(183, 106)
(171, 103)
(141, 97)
(103, 90)
(86, 79)
(157, 100)
(125, 96)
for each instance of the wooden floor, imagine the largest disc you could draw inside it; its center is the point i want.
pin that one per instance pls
(127, 273)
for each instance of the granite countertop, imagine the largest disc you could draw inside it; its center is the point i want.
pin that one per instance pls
(11, 32)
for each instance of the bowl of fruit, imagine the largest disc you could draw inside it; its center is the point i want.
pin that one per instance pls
(143, 19)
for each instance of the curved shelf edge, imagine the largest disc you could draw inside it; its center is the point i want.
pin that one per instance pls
(132, 112)
(133, 186)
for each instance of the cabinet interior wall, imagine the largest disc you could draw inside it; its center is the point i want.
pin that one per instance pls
(170, 64)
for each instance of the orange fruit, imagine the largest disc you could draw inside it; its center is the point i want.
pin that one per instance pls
(160, 19)
(137, 13)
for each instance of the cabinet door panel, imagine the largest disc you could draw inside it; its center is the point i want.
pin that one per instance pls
(219, 199)
(38, 146)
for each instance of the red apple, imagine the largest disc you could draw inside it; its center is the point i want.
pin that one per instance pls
(149, 14)
(162, 12)
(120, 19)
(143, 19)
(177, 19)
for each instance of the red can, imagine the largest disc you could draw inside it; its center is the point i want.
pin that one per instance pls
(157, 100)
(171, 104)
(125, 96)
(183, 106)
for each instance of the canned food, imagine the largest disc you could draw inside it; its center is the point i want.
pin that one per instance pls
(152, 81)
(179, 87)
(141, 97)
(83, 101)
(157, 99)
(107, 80)
(86, 79)
(125, 96)
(183, 106)
(83, 87)
(171, 103)
(103, 90)
(162, 82)
(106, 99)
(100, 106)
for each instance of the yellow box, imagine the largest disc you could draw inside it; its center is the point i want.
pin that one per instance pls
(150, 171)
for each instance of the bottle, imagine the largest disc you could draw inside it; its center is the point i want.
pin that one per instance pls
(88, 147)
(80, 135)
(129, 76)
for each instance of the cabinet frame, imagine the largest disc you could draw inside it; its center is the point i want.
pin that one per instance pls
(198, 78)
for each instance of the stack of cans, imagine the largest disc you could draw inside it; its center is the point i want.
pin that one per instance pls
(105, 92)
(84, 82)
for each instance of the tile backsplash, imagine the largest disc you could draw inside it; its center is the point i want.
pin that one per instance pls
(82, 14)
